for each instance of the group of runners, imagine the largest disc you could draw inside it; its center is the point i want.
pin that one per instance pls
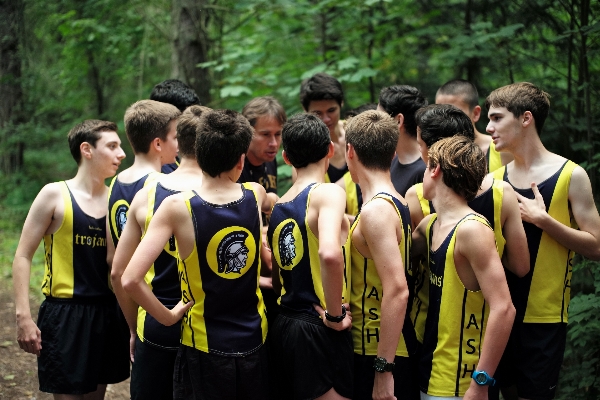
(413, 257)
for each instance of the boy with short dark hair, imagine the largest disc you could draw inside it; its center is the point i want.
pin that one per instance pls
(380, 258)
(311, 356)
(323, 96)
(217, 228)
(470, 311)
(153, 355)
(80, 342)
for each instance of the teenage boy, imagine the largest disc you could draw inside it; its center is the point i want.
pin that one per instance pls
(310, 343)
(463, 94)
(217, 228)
(555, 197)
(151, 130)
(177, 93)
(495, 200)
(323, 96)
(155, 349)
(401, 102)
(470, 311)
(380, 258)
(80, 343)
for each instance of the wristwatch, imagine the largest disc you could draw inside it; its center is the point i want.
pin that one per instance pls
(482, 378)
(336, 319)
(381, 365)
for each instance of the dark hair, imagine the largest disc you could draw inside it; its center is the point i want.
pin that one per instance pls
(264, 106)
(374, 136)
(188, 126)
(521, 97)
(305, 139)
(223, 136)
(175, 92)
(147, 120)
(321, 87)
(87, 131)
(405, 100)
(462, 164)
(463, 89)
(360, 109)
(439, 121)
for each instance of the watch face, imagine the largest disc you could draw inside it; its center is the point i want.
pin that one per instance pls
(481, 378)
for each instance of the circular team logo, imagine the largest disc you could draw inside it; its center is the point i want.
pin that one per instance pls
(231, 252)
(288, 246)
(119, 216)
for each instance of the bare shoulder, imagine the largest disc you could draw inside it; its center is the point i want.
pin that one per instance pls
(329, 191)
(474, 231)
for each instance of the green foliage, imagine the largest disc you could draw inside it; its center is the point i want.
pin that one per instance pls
(580, 375)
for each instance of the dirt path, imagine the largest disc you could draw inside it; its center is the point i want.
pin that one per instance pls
(18, 370)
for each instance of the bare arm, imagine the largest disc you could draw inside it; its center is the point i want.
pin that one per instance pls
(265, 203)
(475, 242)
(516, 251)
(40, 220)
(419, 247)
(330, 203)
(275, 276)
(382, 239)
(110, 246)
(171, 218)
(586, 239)
(130, 239)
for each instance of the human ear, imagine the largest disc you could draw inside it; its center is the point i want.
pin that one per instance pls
(86, 150)
(476, 114)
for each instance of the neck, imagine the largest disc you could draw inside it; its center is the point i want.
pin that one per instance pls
(407, 149)
(528, 152)
(311, 173)
(373, 181)
(88, 181)
(449, 206)
(188, 164)
(147, 161)
(252, 160)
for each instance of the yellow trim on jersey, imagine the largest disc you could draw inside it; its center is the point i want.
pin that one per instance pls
(59, 253)
(351, 195)
(422, 200)
(313, 254)
(495, 161)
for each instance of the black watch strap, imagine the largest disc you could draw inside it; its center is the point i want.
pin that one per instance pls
(381, 365)
(336, 319)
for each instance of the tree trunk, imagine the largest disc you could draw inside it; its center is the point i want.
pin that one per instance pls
(11, 147)
(587, 106)
(191, 45)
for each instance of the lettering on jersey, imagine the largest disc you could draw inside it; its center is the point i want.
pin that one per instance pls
(373, 316)
(472, 348)
(185, 296)
(472, 321)
(373, 293)
(373, 333)
(231, 252)
(466, 371)
(434, 279)
(91, 241)
(287, 244)
(118, 215)
(270, 182)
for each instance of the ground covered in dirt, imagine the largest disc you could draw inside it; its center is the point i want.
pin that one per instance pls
(18, 370)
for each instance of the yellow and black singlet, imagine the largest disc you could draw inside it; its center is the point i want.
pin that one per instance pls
(488, 204)
(221, 276)
(543, 295)
(120, 196)
(75, 262)
(296, 249)
(456, 322)
(163, 280)
(354, 198)
(493, 158)
(367, 291)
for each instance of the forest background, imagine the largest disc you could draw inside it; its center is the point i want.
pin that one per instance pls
(62, 61)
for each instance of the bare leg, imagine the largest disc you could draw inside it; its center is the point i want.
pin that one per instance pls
(331, 395)
(96, 395)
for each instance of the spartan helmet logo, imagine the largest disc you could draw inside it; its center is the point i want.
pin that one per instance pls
(287, 244)
(121, 218)
(232, 252)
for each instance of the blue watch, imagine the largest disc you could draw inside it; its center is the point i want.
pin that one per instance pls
(482, 378)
